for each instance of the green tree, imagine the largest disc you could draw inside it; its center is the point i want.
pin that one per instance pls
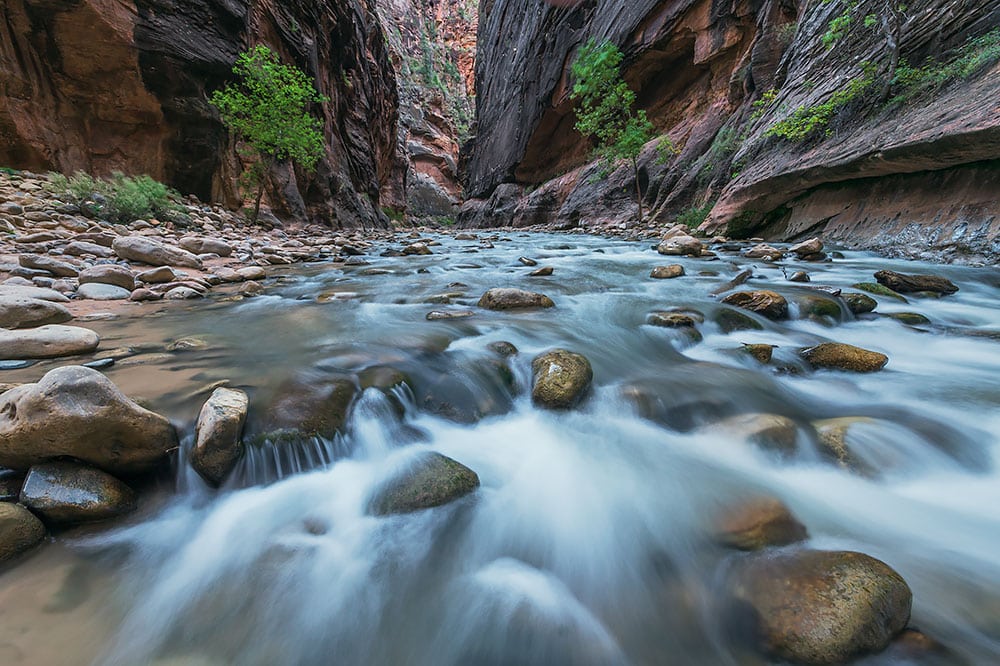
(604, 108)
(268, 109)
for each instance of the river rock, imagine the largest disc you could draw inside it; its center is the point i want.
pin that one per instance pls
(80, 248)
(50, 341)
(41, 293)
(511, 299)
(807, 247)
(160, 275)
(77, 412)
(142, 294)
(182, 293)
(909, 318)
(771, 432)
(119, 276)
(67, 493)
(765, 252)
(813, 305)
(444, 315)
(23, 312)
(148, 251)
(430, 480)
(672, 320)
(859, 303)
(544, 271)
(841, 356)
(833, 440)
(879, 290)
(819, 607)
(251, 288)
(305, 407)
(527, 262)
(767, 303)
(760, 352)
(11, 481)
(43, 263)
(503, 348)
(800, 276)
(202, 245)
(217, 445)
(905, 284)
(251, 273)
(416, 249)
(20, 530)
(667, 272)
(759, 523)
(680, 245)
(561, 379)
(97, 291)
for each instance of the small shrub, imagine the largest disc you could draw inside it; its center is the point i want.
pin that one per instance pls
(121, 198)
(971, 58)
(695, 215)
(807, 121)
(765, 102)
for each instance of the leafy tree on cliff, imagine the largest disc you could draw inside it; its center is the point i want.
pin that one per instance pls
(268, 109)
(604, 108)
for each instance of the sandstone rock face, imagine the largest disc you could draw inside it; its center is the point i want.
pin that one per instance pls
(19, 311)
(145, 70)
(51, 341)
(820, 607)
(218, 431)
(77, 412)
(431, 480)
(67, 493)
(19, 530)
(561, 379)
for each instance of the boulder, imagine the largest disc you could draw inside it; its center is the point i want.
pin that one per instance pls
(250, 273)
(760, 352)
(143, 294)
(217, 445)
(20, 530)
(430, 480)
(807, 247)
(909, 318)
(160, 275)
(40, 293)
(24, 312)
(251, 288)
(672, 320)
(841, 356)
(512, 299)
(818, 607)
(667, 272)
(416, 249)
(80, 248)
(758, 523)
(182, 293)
(800, 276)
(50, 341)
(202, 245)
(66, 493)
(145, 250)
(561, 379)
(680, 245)
(879, 290)
(544, 271)
(44, 263)
(767, 303)
(730, 320)
(905, 284)
(859, 303)
(119, 276)
(97, 291)
(765, 252)
(77, 412)
(305, 407)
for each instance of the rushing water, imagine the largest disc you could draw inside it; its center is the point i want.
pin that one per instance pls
(589, 540)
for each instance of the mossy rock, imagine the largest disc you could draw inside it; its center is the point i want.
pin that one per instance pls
(429, 481)
(841, 356)
(561, 379)
(910, 318)
(879, 290)
(817, 306)
(859, 303)
(731, 320)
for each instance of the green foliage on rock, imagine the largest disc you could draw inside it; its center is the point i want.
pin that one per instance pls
(808, 121)
(268, 109)
(693, 217)
(604, 106)
(121, 199)
(971, 58)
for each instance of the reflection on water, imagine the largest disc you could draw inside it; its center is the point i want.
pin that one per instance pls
(588, 542)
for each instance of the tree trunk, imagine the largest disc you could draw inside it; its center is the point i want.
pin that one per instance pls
(256, 202)
(892, 24)
(638, 186)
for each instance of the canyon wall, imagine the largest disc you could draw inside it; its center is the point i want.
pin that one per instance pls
(104, 85)
(912, 174)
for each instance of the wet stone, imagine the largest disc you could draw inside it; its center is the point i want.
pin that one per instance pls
(67, 493)
(429, 481)
(758, 523)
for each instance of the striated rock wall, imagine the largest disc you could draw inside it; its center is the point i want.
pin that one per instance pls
(104, 85)
(698, 67)
(433, 45)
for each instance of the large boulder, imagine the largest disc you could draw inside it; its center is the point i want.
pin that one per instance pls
(148, 251)
(97, 291)
(767, 303)
(904, 284)
(305, 407)
(26, 291)
(430, 480)
(66, 493)
(819, 607)
(561, 379)
(217, 445)
(41, 262)
(20, 530)
(202, 245)
(77, 412)
(24, 312)
(50, 341)
(512, 299)
(841, 356)
(119, 276)
(680, 245)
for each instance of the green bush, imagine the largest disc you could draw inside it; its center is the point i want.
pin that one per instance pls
(121, 198)
(694, 216)
(807, 121)
(971, 58)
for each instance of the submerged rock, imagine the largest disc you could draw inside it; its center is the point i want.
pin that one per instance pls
(672, 320)
(841, 356)
(771, 432)
(760, 352)
(20, 530)
(832, 440)
(767, 303)
(879, 290)
(905, 284)
(561, 379)
(50, 341)
(910, 318)
(77, 412)
(307, 407)
(218, 433)
(667, 272)
(544, 271)
(68, 493)
(511, 299)
(25, 312)
(730, 320)
(818, 607)
(430, 480)
(759, 523)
